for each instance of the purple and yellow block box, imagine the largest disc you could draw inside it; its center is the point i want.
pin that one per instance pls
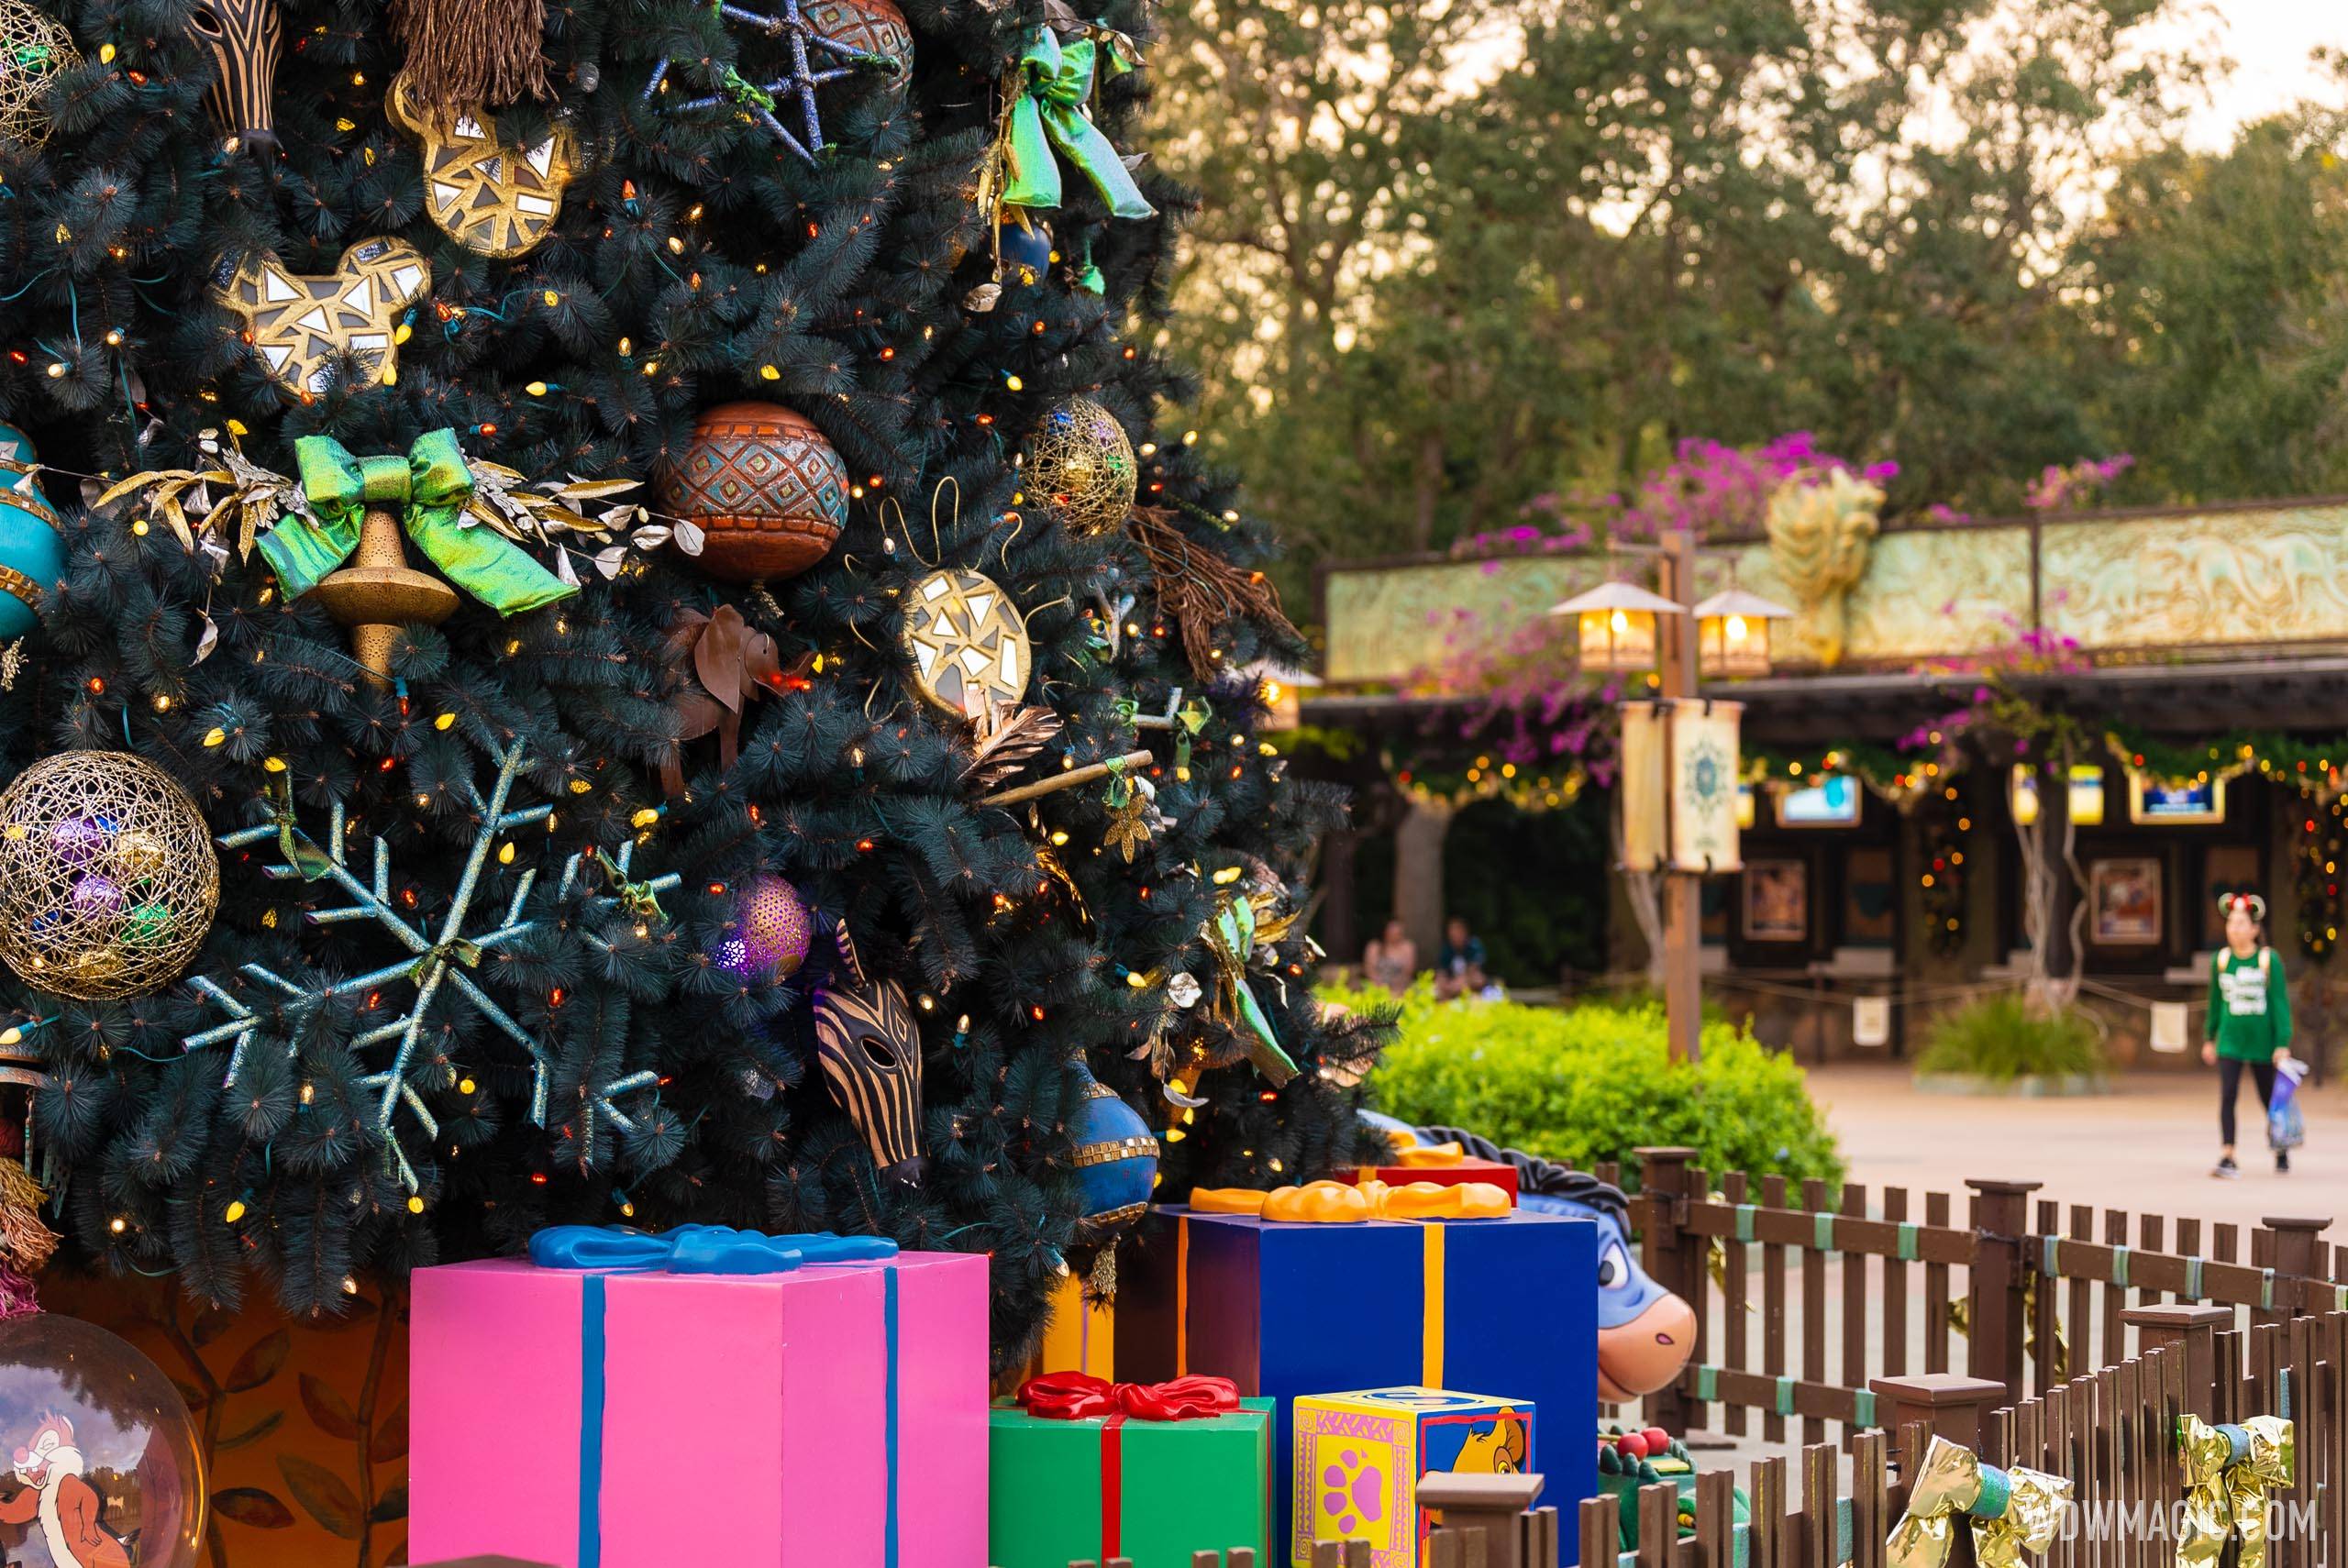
(1287, 1310)
(1359, 1457)
(628, 1417)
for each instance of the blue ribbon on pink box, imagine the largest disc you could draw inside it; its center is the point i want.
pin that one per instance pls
(693, 1249)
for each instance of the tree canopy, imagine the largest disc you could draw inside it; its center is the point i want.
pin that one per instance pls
(1452, 258)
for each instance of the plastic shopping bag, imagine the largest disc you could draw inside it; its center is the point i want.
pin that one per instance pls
(2286, 1128)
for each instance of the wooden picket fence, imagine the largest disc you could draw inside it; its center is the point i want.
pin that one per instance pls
(2111, 1433)
(2024, 1292)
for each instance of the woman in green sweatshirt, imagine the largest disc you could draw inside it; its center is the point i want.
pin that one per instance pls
(2248, 1021)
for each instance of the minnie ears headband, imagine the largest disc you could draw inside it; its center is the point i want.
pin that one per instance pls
(2252, 903)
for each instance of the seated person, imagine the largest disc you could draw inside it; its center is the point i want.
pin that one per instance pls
(1459, 966)
(1391, 959)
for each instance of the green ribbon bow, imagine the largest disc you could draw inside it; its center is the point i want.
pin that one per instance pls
(1231, 939)
(1056, 84)
(455, 950)
(637, 898)
(300, 853)
(428, 488)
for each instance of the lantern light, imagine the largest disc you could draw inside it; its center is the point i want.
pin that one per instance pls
(1733, 633)
(1281, 690)
(1617, 626)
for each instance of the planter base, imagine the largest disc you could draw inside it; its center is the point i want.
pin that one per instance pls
(2029, 1085)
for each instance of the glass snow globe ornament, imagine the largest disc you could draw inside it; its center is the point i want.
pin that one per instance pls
(102, 1466)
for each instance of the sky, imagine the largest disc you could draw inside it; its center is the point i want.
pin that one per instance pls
(2270, 42)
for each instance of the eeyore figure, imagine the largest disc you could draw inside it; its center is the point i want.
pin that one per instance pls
(1645, 1333)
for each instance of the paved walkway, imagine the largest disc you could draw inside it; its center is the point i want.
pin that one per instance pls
(2146, 1147)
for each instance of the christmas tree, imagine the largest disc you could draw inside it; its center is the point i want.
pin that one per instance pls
(775, 390)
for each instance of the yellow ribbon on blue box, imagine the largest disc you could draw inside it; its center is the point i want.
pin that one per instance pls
(1336, 1203)
(2230, 1473)
(2009, 1511)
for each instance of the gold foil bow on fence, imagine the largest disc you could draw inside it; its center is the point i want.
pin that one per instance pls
(1339, 1203)
(2009, 1511)
(2230, 1473)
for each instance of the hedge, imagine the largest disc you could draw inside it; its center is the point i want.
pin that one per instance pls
(1594, 1082)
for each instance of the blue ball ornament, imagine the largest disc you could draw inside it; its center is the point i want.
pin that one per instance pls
(1116, 1158)
(1026, 249)
(32, 552)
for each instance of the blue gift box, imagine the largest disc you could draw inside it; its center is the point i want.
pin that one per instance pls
(1285, 1310)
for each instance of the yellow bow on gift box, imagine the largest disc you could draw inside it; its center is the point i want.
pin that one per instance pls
(2229, 1470)
(1335, 1203)
(2009, 1510)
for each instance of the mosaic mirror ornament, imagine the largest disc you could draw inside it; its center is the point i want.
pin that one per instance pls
(494, 198)
(967, 640)
(298, 324)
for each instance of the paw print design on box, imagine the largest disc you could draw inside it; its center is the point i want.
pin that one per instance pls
(1359, 1457)
(297, 324)
(1353, 1493)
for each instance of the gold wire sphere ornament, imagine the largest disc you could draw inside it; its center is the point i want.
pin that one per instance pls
(1081, 462)
(35, 49)
(107, 876)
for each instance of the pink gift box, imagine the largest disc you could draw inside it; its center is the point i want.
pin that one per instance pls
(738, 1420)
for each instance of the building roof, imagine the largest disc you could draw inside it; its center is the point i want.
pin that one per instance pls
(2307, 692)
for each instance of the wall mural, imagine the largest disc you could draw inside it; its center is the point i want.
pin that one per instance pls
(2209, 578)
(2277, 576)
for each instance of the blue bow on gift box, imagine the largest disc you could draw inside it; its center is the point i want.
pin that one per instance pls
(698, 1249)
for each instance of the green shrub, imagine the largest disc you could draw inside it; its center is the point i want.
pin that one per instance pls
(1594, 1082)
(2002, 1039)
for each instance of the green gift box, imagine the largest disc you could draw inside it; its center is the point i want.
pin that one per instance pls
(1088, 1490)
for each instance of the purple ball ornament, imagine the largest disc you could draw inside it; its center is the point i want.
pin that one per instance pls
(77, 840)
(771, 935)
(96, 895)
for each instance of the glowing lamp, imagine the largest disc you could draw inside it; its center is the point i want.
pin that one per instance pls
(1281, 692)
(1616, 625)
(1733, 633)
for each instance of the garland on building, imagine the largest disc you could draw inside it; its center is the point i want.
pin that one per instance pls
(1947, 836)
(2318, 849)
(1901, 777)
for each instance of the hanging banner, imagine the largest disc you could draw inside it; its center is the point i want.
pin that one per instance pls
(1645, 813)
(1703, 764)
(1871, 1020)
(2168, 1028)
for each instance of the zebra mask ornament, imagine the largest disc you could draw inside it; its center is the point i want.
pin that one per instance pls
(245, 37)
(870, 1049)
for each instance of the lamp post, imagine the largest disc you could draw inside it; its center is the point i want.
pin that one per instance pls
(1680, 818)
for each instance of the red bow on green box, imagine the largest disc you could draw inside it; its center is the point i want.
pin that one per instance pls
(1080, 1395)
